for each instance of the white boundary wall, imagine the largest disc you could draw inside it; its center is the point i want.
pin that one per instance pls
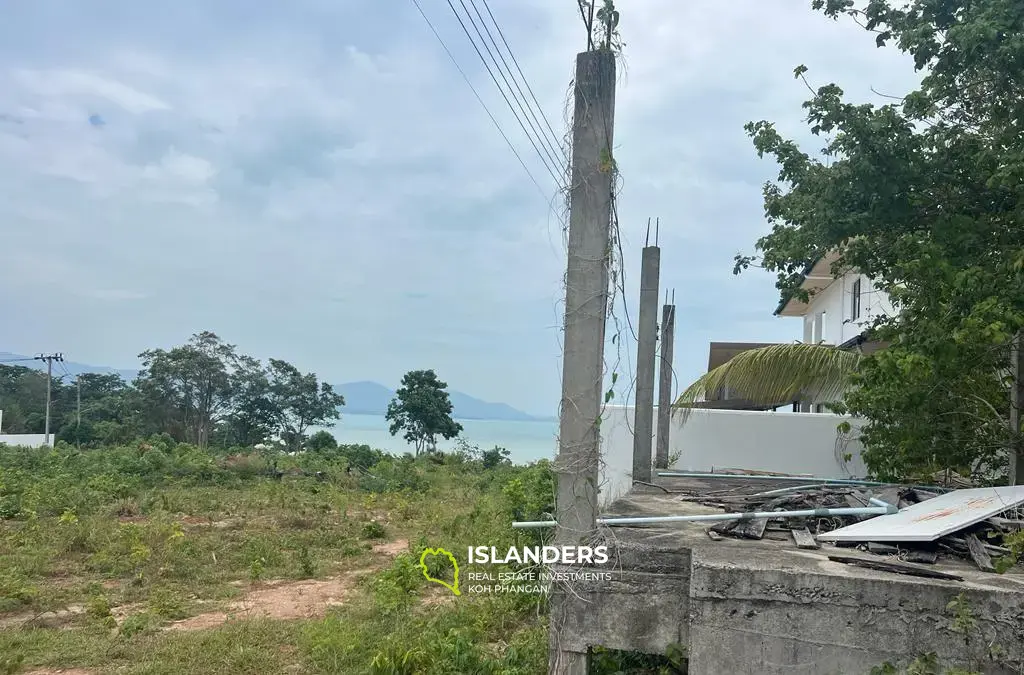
(714, 440)
(26, 440)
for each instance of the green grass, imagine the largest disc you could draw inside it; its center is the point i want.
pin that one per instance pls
(135, 538)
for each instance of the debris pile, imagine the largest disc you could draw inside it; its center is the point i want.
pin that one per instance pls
(970, 524)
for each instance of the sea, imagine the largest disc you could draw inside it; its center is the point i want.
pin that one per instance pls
(525, 441)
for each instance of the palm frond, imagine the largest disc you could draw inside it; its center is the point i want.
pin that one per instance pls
(776, 374)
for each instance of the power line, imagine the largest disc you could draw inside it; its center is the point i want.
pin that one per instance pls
(16, 360)
(481, 101)
(538, 129)
(554, 174)
(520, 71)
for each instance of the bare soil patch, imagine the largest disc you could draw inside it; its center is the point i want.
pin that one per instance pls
(392, 548)
(280, 600)
(55, 619)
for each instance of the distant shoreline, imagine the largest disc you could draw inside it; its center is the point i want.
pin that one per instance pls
(376, 413)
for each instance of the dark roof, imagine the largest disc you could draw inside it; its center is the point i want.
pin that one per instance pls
(722, 352)
(783, 301)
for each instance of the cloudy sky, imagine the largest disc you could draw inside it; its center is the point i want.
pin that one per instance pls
(315, 181)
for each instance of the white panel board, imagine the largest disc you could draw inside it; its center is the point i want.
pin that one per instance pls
(933, 518)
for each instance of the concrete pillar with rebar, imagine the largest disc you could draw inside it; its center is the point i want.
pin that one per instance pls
(647, 338)
(665, 374)
(586, 304)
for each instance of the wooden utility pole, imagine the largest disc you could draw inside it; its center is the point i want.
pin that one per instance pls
(665, 372)
(1016, 401)
(49, 358)
(647, 344)
(586, 305)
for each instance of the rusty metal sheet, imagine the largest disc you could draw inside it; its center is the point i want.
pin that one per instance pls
(933, 518)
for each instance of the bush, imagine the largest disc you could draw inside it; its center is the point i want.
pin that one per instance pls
(495, 457)
(320, 441)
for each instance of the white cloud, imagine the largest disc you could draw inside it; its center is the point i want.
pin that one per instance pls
(315, 181)
(73, 83)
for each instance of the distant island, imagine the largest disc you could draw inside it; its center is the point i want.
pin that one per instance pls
(361, 398)
(372, 398)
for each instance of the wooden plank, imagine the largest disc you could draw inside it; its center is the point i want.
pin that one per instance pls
(897, 568)
(922, 556)
(804, 539)
(1006, 524)
(751, 529)
(714, 536)
(879, 548)
(978, 553)
(724, 528)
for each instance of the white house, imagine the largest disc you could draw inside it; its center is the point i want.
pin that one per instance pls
(840, 308)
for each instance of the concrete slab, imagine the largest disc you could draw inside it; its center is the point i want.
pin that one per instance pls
(765, 606)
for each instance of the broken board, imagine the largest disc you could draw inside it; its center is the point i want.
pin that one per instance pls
(934, 518)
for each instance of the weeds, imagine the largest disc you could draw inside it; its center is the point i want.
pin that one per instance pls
(150, 533)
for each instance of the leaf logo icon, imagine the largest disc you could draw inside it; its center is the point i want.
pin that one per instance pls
(454, 586)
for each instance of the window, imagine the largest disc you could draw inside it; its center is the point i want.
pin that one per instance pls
(855, 300)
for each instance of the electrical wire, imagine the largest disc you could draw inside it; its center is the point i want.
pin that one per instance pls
(551, 139)
(533, 142)
(480, 100)
(540, 108)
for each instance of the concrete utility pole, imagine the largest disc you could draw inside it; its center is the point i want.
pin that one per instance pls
(586, 305)
(647, 339)
(1016, 401)
(49, 358)
(78, 412)
(665, 372)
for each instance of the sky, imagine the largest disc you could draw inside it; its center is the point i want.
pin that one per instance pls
(315, 180)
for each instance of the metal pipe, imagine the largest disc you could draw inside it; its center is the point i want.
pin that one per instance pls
(880, 509)
(797, 488)
(810, 479)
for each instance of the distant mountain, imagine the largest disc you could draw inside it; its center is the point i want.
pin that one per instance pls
(371, 398)
(365, 398)
(9, 359)
(361, 398)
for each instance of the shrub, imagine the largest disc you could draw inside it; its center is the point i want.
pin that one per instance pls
(321, 441)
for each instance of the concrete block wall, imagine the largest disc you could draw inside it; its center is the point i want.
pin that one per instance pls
(740, 609)
(784, 442)
(24, 440)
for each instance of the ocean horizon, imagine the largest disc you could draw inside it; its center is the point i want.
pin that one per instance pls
(526, 441)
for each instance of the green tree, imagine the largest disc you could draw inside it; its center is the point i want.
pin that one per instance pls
(924, 195)
(301, 401)
(421, 408)
(23, 399)
(188, 389)
(97, 409)
(495, 457)
(254, 415)
(320, 441)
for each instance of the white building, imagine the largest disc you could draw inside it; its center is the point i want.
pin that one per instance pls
(840, 307)
(839, 311)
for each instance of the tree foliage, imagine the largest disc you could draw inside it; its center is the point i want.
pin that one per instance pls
(422, 410)
(201, 392)
(778, 374)
(925, 195)
(300, 401)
